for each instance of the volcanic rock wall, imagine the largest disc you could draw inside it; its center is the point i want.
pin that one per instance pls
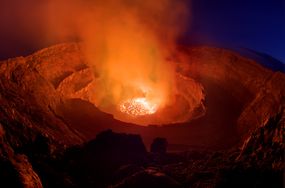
(28, 101)
(259, 91)
(32, 88)
(53, 75)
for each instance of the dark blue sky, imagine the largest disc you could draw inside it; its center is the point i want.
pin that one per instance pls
(254, 24)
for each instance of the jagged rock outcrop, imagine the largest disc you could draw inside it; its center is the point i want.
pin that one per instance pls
(15, 169)
(260, 162)
(267, 103)
(266, 144)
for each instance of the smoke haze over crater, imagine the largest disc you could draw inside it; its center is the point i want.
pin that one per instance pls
(127, 43)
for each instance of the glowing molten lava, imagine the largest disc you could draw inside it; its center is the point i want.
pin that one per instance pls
(138, 107)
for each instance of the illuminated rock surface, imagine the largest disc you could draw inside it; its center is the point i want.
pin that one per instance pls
(46, 107)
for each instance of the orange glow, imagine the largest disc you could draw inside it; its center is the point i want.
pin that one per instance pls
(130, 60)
(138, 107)
(130, 47)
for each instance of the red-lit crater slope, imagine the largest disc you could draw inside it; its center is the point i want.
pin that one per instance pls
(220, 97)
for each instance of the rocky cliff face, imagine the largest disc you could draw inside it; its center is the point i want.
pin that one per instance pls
(28, 122)
(259, 91)
(16, 171)
(28, 100)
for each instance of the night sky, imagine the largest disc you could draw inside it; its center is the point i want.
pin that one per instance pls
(255, 24)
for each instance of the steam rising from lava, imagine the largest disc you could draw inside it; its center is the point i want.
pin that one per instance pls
(129, 44)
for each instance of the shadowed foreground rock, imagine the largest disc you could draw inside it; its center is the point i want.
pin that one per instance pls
(159, 145)
(149, 177)
(15, 169)
(95, 163)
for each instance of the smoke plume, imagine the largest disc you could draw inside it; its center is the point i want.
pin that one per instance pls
(128, 43)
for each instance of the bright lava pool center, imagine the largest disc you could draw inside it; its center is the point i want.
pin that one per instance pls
(151, 108)
(138, 107)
